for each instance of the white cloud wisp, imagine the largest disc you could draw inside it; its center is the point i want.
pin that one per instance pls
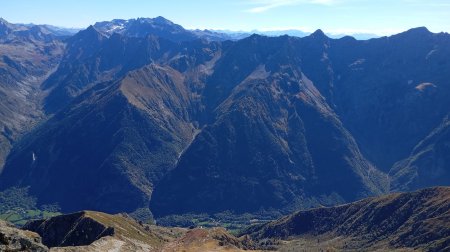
(265, 5)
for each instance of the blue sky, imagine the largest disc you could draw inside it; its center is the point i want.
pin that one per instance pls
(382, 17)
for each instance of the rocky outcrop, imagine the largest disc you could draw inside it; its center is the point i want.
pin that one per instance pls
(14, 239)
(69, 230)
(84, 228)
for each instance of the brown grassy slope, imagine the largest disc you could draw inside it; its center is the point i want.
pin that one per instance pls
(418, 220)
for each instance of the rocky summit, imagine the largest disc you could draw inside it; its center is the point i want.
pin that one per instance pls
(14, 239)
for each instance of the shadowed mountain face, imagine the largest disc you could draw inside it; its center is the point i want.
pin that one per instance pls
(428, 164)
(390, 92)
(27, 56)
(92, 58)
(140, 139)
(139, 117)
(265, 148)
(418, 220)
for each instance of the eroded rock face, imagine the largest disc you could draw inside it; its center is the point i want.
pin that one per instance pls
(14, 239)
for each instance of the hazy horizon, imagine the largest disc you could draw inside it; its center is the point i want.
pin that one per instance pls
(332, 16)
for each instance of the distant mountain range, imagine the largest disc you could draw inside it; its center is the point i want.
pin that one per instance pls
(293, 33)
(142, 113)
(119, 25)
(35, 31)
(162, 27)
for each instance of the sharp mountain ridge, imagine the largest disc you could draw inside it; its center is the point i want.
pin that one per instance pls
(140, 114)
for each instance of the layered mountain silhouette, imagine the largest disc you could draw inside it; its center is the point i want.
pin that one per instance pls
(143, 113)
